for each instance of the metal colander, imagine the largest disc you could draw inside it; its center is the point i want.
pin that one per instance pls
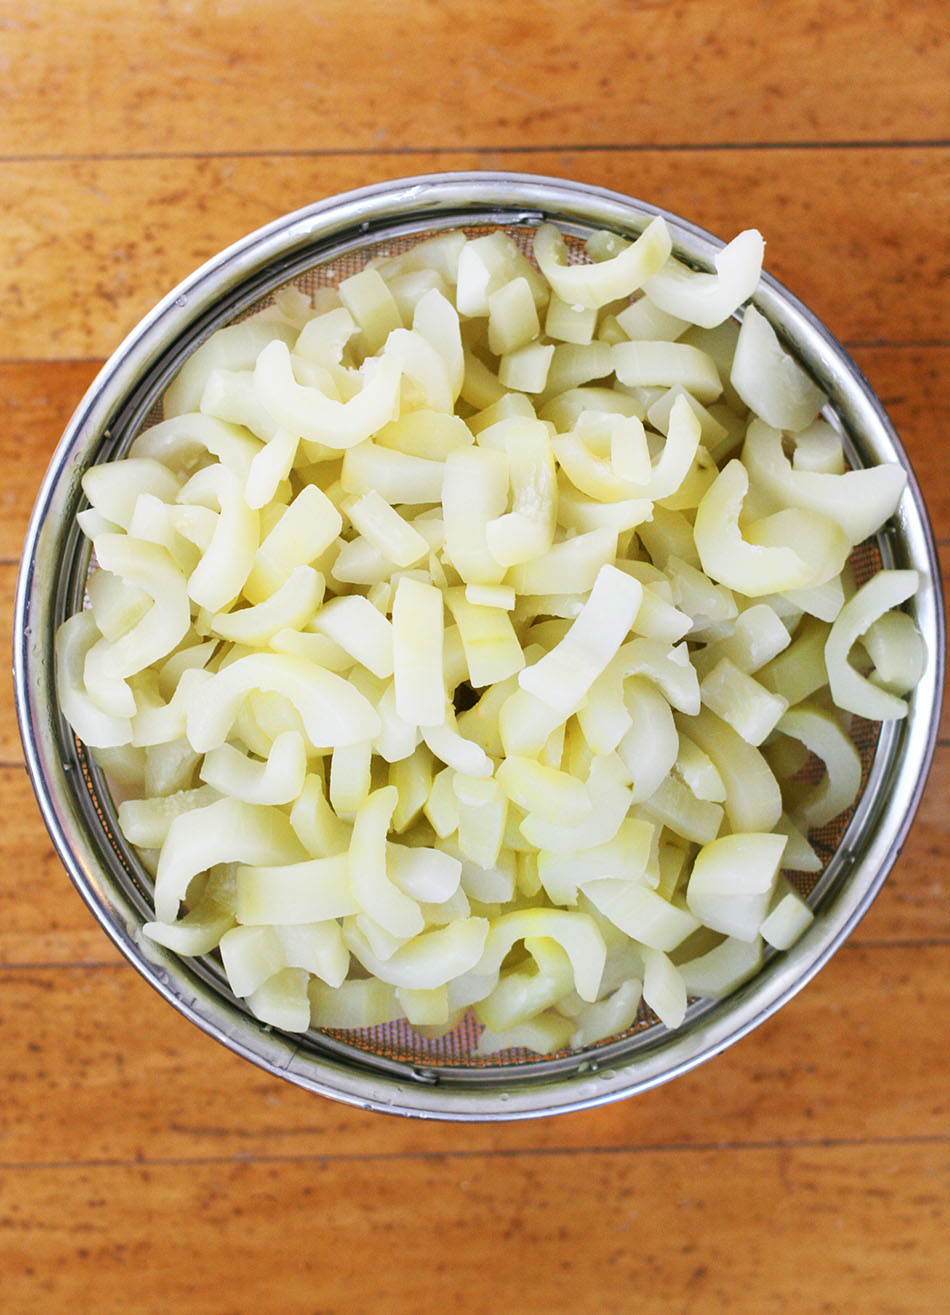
(393, 1067)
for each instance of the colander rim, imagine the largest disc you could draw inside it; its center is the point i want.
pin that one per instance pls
(269, 255)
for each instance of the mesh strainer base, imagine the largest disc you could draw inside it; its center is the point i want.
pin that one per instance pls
(398, 1042)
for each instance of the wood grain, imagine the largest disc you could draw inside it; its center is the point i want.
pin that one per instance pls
(92, 245)
(532, 1233)
(36, 402)
(11, 748)
(138, 1082)
(42, 917)
(143, 1168)
(204, 78)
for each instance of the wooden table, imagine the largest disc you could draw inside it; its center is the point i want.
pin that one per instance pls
(143, 1168)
